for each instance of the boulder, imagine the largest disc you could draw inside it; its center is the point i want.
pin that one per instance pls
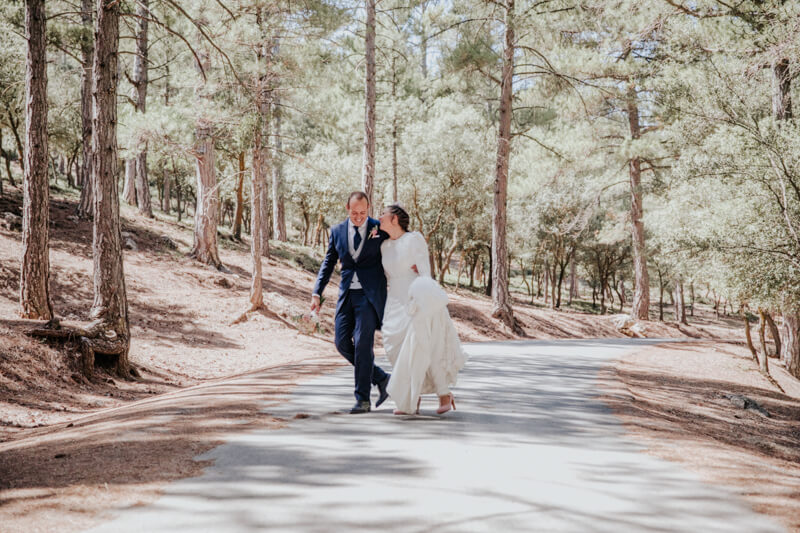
(11, 222)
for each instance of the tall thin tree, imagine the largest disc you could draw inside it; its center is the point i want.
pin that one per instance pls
(35, 299)
(87, 53)
(139, 97)
(368, 165)
(206, 215)
(110, 308)
(501, 297)
(640, 309)
(278, 201)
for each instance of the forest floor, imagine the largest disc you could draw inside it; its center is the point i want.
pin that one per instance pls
(62, 438)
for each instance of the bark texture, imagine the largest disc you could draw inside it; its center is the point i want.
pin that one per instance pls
(680, 305)
(640, 309)
(35, 269)
(781, 90)
(206, 215)
(87, 58)
(790, 343)
(257, 191)
(501, 298)
(139, 95)
(129, 187)
(368, 166)
(278, 202)
(110, 308)
(237, 217)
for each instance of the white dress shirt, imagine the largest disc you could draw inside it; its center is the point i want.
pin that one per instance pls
(351, 232)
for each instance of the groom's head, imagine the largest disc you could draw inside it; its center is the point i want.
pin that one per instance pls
(357, 207)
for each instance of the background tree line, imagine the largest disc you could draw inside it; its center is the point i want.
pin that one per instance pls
(552, 148)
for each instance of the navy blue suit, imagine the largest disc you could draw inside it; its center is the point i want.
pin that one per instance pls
(358, 312)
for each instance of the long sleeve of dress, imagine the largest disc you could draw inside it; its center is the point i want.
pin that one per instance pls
(421, 255)
(424, 295)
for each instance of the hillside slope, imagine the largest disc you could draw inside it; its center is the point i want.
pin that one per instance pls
(181, 313)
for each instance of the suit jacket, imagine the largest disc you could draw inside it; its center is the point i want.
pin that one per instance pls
(368, 266)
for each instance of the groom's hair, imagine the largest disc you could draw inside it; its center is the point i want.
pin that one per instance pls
(357, 195)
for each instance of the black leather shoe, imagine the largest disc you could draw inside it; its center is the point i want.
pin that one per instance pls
(360, 407)
(383, 393)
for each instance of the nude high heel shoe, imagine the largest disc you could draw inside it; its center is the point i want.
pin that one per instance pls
(444, 407)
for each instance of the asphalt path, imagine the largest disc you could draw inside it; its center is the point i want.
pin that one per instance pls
(529, 448)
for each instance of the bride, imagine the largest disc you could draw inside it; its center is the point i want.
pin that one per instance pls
(419, 337)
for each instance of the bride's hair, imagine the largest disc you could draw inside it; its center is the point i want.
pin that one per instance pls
(402, 217)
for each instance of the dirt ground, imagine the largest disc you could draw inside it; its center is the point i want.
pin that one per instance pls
(70, 448)
(684, 403)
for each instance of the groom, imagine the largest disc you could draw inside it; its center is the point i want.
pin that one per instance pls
(356, 242)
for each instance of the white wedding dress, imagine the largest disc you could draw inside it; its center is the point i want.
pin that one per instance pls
(418, 334)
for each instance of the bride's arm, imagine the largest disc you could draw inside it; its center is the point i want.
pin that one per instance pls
(422, 260)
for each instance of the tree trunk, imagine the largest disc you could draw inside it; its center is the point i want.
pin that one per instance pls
(129, 188)
(660, 295)
(790, 342)
(166, 195)
(306, 222)
(763, 364)
(318, 230)
(70, 176)
(602, 299)
(8, 166)
(773, 330)
(278, 202)
(423, 42)
(368, 166)
(680, 307)
(34, 285)
(110, 308)
(394, 133)
(487, 278)
(781, 90)
(178, 190)
(237, 218)
(87, 53)
(257, 190)
(139, 96)
(266, 223)
(640, 309)
(619, 288)
(15, 126)
(460, 269)
(747, 335)
(450, 251)
(546, 281)
(528, 289)
(206, 215)
(573, 282)
(264, 53)
(143, 198)
(8, 161)
(501, 298)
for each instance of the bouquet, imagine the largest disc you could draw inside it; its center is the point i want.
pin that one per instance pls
(308, 323)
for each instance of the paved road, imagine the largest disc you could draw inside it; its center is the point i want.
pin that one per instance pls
(530, 448)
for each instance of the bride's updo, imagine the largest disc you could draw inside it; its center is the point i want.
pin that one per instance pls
(402, 217)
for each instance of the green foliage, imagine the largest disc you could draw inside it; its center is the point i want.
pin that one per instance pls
(720, 175)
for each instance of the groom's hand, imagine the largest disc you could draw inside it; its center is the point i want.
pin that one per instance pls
(315, 303)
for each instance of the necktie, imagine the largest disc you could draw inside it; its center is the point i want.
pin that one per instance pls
(356, 239)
